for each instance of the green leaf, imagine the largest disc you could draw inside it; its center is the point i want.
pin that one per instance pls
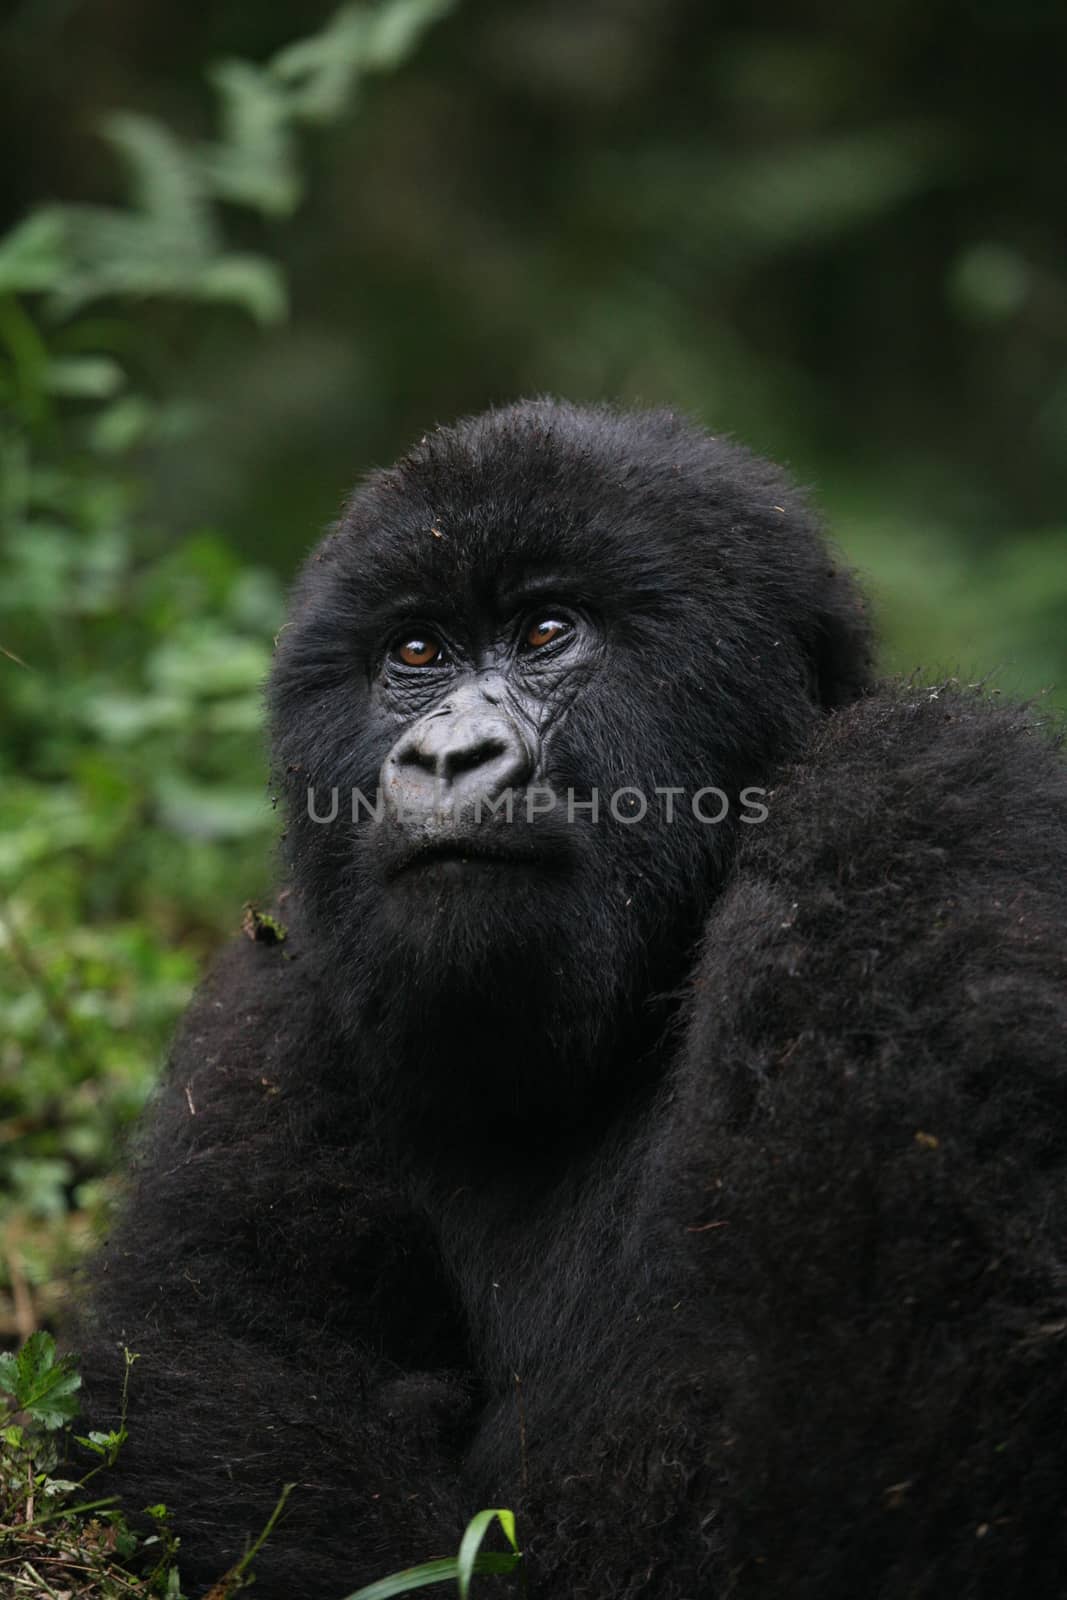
(103, 1444)
(52, 1488)
(320, 71)
(165, 182)
(439, 1571)
(44, 1386)
(84, 377)
(210, 811)
(252, 282)
(323, 71)
(476, 1530)
(122, 425)
(395, 30)
(9, 1373)
(461, 1567)
(205, 661)
(990, 282)
(254, 164)
(166, 244)
(119, 717)
(33, 255)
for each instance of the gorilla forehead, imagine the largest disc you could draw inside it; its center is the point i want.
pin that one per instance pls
(625, 509)
(702, 562)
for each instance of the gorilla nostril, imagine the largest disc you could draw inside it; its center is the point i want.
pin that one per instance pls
(470, 757)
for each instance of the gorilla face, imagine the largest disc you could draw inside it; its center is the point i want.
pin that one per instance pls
(522, 659)
(478, 718)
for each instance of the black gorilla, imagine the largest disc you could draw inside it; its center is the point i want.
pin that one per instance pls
(654, 1119)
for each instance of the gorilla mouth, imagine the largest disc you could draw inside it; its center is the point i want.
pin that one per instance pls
(462, 850)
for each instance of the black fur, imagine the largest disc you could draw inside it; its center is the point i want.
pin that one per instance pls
(701, 1196)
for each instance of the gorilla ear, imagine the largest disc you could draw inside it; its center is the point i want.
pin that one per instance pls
(840, 643)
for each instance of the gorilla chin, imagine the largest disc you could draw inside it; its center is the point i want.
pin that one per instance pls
(473, 919)
(454, 883)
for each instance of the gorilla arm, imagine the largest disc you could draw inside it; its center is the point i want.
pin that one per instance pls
(289, 1322)
(873, 1102)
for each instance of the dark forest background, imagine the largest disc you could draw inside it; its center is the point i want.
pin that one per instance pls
(837, 232)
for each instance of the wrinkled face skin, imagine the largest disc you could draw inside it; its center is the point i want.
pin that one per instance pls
(509, 649)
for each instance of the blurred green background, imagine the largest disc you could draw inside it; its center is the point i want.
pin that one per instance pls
(252, 250)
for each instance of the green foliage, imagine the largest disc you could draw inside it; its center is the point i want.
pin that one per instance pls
(130, 809)
(319, 77)
(54, 1540)
(38, 1383)
(461, 1567)
(997, 614)
(477, 1528)
(170, 240)
(134, 815)
(755, 207)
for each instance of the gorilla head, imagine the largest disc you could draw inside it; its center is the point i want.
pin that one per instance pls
(540, 660)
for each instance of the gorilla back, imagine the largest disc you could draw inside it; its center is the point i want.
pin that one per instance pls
(654, 1117)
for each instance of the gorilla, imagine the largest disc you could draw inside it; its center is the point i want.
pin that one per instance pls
(646, 1106)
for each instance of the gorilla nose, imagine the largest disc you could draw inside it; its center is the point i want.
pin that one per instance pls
(465, 750)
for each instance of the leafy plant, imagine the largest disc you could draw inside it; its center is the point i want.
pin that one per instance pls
(39, 1384)
(52, 1539)
(462, 1566)
(171, 239)
(130, 665)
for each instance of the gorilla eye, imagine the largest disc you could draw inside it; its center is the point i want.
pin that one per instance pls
(418, 651)
(545, 632)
